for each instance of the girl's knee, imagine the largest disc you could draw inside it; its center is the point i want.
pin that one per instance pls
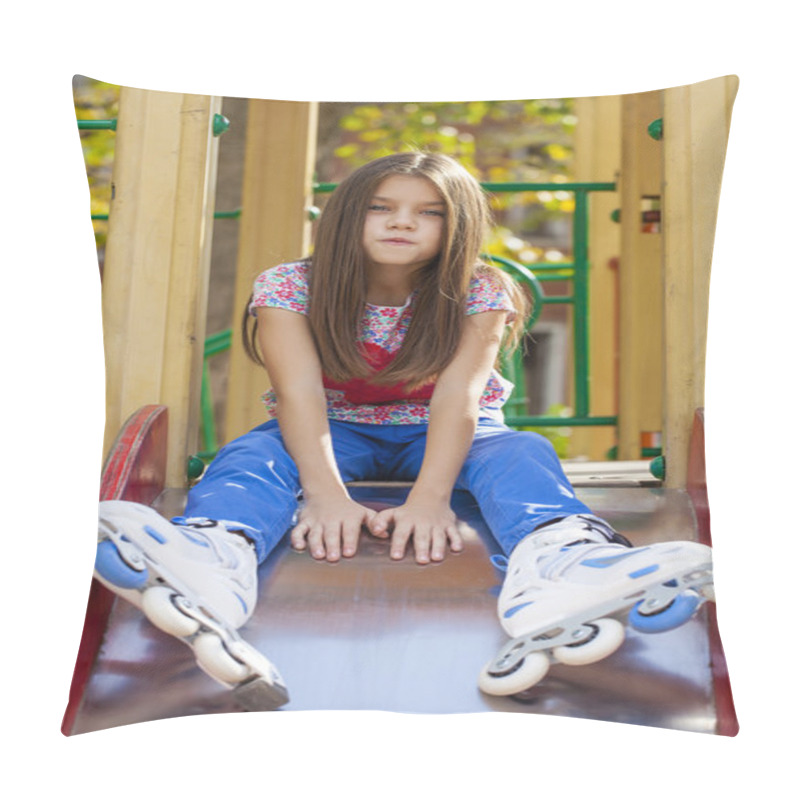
(254, 450)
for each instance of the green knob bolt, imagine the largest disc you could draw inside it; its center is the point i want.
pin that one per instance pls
(194, 467)
(616, 215)
(220, 124)
(313, 213)
(656, 129)
(657, 468)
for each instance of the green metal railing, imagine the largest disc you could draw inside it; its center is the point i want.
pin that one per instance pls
(577, 274)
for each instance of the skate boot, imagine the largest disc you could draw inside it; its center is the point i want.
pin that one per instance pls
(196, 582)
(565, 582)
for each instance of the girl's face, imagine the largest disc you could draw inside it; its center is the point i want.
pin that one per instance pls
(404, 223)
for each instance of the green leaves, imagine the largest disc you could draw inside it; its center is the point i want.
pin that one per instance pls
(95, 100)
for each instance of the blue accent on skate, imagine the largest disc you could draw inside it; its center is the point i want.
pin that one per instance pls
(679, 611)
(110, 566)
(241, 600)
(513, 610)
(606, 561)
(153, 533)
(640, 573)
(499, 562)
(194, 539)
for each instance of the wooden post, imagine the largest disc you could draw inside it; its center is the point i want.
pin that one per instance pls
(641, 290)
(274, 227)
(696, 127)
(598, 152)
(155, 277)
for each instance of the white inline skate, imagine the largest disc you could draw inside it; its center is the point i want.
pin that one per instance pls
(565, 582)
(196, 582)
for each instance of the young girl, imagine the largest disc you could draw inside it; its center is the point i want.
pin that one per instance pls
(381, 352)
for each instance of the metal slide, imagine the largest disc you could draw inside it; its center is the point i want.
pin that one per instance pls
(370, 633)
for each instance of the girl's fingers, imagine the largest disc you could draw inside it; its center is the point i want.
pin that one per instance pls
(298, 536)
(379, 523)
(438, 544)
(332, 538)
(423, 541)
(316, 541)
(456, 542)
(400, 537)
(350, 533)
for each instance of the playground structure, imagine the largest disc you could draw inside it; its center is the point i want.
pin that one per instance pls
(660, 151)
(646, 372)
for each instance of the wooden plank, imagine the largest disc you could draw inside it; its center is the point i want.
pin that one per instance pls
(696, 126)
(641, 291)
(157, 260)
(274, 227)
(598, 151)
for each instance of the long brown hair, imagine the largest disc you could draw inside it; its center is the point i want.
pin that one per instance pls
(338, 282)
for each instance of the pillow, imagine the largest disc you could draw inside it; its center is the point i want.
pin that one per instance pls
(206, 193)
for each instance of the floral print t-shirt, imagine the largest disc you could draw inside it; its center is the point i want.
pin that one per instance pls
(381, 334)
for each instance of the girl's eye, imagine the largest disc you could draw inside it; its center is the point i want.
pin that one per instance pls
(434, 212)
(377, 207)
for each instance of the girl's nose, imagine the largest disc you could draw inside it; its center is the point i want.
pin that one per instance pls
(401, 219)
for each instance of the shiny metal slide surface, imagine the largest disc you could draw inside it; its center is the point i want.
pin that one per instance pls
(370, 633)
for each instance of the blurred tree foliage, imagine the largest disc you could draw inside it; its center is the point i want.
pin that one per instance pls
(95, 100)
(497, 141)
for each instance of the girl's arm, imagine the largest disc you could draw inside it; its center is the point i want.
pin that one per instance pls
(329, 522)
(426, 515)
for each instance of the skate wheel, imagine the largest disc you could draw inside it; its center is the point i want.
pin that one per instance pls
(528, 673)
(158, 604)
(609, 635)
(215, 659)
(680, 610)
(112, 567)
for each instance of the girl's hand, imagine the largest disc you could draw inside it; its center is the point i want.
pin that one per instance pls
(330, 527)
(430, 524)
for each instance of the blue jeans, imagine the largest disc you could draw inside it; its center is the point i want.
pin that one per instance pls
(514, 476)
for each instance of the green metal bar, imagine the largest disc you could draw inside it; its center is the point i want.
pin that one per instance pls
(323, 188)
(559, 422)
(549, 187)
(580, 312)
(209, 429)
(553, 274)
(235, 214)
(217, 343)
(97, 124)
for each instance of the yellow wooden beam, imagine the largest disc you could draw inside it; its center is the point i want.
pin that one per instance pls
(598, 150)
(696, 127)
(155, 275)
(274, 227)
(641, 340)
